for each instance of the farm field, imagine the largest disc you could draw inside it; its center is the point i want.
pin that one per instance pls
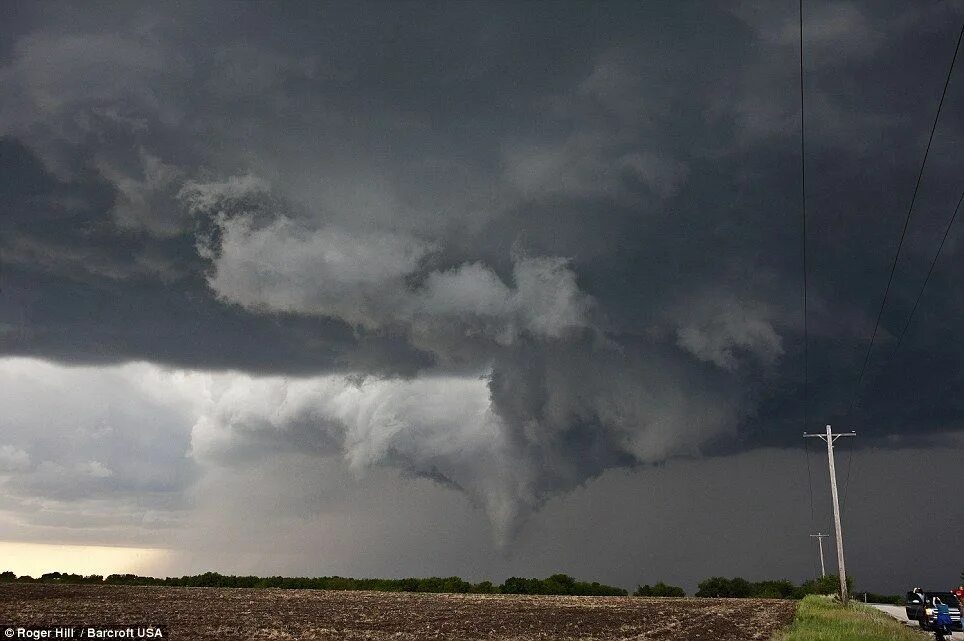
(238, 613)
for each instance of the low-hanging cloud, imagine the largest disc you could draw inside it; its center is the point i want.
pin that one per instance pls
(549, 403)
(443, 428)
(470, 432)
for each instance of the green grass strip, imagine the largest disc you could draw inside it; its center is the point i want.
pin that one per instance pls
(821, 619)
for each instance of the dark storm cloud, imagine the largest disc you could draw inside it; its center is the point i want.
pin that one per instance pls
(125, 295)
(594, 208)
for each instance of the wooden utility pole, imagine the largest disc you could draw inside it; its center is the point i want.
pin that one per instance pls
(820, 537)
(829, 438)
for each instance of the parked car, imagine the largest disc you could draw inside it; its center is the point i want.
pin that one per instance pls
(922, 607)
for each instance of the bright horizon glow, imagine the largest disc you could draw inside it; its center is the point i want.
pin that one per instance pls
(35, 559)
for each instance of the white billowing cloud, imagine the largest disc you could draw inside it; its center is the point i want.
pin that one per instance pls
(470, 288)
(244, 415)
(440, 427)
(545, 301)
(284, 266)
(368, 278)
(719, 330)
(547, 296)
(448, 428)
(121, 448)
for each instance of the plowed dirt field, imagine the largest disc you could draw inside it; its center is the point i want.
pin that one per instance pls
(228, 613)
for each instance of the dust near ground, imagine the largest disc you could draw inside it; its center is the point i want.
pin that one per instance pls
(237, 613)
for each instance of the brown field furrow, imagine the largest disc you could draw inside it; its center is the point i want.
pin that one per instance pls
(226, 613)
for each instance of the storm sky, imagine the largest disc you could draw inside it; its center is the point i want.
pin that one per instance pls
(489, 289)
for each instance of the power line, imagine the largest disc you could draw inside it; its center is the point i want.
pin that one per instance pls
(937, 255)
(900, 243)
(903, 233)
(846, 486)
(920, 294)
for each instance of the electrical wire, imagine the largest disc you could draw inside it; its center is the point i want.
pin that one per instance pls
(930, 271)
(900, 244)
(920, 294)
(846, 491)
(903, 233)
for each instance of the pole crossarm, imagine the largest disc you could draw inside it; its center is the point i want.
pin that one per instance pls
(823, 437)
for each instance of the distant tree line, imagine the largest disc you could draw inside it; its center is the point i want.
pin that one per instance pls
(555, 584)
(739, 587)
(558, 584)
(51, 577)
(561, 584)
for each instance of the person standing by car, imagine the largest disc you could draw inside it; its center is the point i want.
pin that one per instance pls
(959, 593)
(943, 624)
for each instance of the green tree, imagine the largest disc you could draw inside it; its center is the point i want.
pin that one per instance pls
(484, 587)
(782, 589)
(715, 586)
(829, 584)
(559, 584)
